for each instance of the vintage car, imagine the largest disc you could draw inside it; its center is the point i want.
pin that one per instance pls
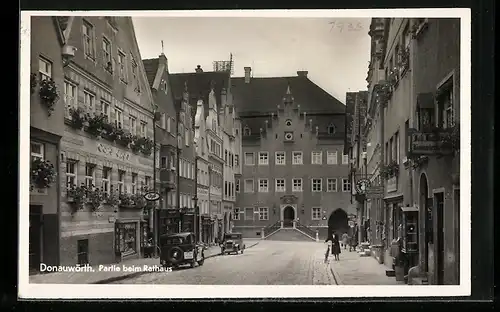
(232, 243)
(181, 248)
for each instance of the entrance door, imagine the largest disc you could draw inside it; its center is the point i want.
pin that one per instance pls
(456, 199)
(439, 197)
(288, 216)
(35, 237)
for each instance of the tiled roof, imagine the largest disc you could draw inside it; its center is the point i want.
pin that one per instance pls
(151, 67)
(199, 86)
(264, 94)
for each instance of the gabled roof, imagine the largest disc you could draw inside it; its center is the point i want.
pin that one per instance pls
(199, 86)
(151, 68)
(264, 94)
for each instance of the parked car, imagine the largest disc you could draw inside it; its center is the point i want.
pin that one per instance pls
(232, 243)
(179, 249)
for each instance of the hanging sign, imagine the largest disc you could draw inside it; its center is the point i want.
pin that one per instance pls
(362, 185)
(152, 196)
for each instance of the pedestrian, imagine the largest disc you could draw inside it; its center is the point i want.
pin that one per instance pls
(328, 241)
(336, 247)
(345, 240)
(352, 243)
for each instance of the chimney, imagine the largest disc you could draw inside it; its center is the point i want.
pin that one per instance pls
(198, 69)
(247, 74)
(163, 60)
(302, 73)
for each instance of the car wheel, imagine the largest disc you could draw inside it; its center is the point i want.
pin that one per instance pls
(242, 250)
(192, 263)
(202, 260)
(175, 255)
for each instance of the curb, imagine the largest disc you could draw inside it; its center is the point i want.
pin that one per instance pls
(136, 274)
(336, 277)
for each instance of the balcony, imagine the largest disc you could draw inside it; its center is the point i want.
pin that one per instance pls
(168, 178)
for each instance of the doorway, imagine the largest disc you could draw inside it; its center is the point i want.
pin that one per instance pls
(338, 223)
(456, 203)
(35, 238)
(424, 194)
(288, 216)
(439, 199)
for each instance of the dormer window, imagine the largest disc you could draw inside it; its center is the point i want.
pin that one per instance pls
(331, 129)
(214, 125)
(246, 131)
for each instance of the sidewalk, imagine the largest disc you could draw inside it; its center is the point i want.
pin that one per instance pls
(353, 269)
(102, 277)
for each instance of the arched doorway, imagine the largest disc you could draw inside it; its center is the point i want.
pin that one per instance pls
(338, 222)
(425, 207)
(288, 216)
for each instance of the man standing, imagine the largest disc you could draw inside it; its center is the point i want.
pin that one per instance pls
(345, 240)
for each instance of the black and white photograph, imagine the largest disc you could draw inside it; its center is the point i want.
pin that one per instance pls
(245, 154)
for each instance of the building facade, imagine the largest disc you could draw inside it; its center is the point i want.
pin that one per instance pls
(294, 171)
(167, 217)
(106, 150)
(46, 130)
(209, 87)
(412, 117)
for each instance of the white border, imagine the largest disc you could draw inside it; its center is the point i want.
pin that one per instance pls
(52, 291)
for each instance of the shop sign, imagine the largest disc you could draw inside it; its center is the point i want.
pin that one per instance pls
(429, 143)
(113, 152)
(375, 191)
(351, 224)
(151, 196)
(362, 185)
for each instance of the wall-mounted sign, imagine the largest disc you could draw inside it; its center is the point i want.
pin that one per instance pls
(113, 152)
(152, 196)
(429, 143)
(362, 185)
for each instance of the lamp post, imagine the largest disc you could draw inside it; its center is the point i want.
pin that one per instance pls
(361, 215)
(196, 227)
(178, 162)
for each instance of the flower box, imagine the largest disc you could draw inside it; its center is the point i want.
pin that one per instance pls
(43, 173)
(49, 94)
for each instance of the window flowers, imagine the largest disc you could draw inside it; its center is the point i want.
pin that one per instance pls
(49, 94)
(43, 173)
(390, 170)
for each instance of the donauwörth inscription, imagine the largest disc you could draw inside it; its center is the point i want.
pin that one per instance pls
(113, 152)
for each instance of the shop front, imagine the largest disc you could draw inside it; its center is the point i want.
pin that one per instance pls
(130, 239)
(170, 220)
(205, 229)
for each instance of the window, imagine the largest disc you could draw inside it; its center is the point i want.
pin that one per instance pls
(346, 185)
(396, 146)
(105, 105)
(316, 185)
(237, 160)
(134, 74)
(331, 185)
(45, 69)
(331, 129)
(316, 158)
(89, 175)
(280, 158)
(168, 124)
(82, 251)
(297, 185)
(163, 162)
(249, 213)
(297, 158)
(263, 213)
(249, 161)
(106, 53)
(37, 150)
(71, 169)
(280, 185)
(263, 185)
(246, 131)
(331, 158)
(187, 137)
(163, 121)
(236, 213)
(345, 159)
(134, 183)
(237, 185)
(106, 176)
(132, 122)
(316, 213)
(118, 118)
(263, 158)
(225, 188)
(121, 181)
(249, 186)
(445, 107)
(147, 181)
(121, 65)
(89, 101)
(88, 39)
(70, 95)
(143, 129)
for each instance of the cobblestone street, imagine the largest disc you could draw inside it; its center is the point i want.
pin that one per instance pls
(268, 263)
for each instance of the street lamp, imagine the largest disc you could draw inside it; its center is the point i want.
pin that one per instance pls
(152, 208)
(178, 162)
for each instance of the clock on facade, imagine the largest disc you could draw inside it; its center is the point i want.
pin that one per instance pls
(288, 136)
(288, 122)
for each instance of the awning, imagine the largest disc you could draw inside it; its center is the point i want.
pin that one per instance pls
(425, 100)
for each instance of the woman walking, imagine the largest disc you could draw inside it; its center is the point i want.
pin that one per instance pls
(336, 247)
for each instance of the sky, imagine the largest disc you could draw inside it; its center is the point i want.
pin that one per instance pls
(334, 51)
